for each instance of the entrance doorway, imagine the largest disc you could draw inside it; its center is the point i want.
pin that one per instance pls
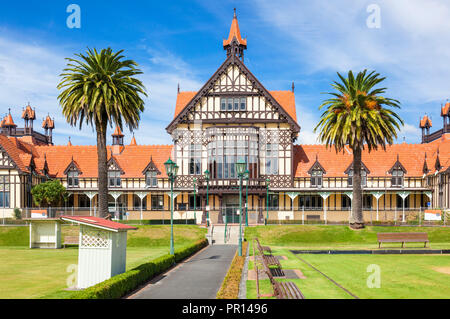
(230, 209)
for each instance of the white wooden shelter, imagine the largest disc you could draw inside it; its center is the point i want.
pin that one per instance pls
(45, 233)
(103, 249)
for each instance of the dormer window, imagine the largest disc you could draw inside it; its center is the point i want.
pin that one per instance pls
(150, 179)
(363, 178)
(233, 104)
(316, 178)
(72, 179)
(397, 177)
(114, 179)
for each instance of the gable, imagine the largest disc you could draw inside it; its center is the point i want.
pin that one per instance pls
(114, 166)
(6, 161)
(234, 80)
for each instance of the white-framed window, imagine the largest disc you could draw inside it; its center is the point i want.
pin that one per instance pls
(114, 179)
(397, 177)
(73, 179)
(195, 159)
(4, 192)
(233, 104)
(272, 159)
(150, 179)
(316, 177)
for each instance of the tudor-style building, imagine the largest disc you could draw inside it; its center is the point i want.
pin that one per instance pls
(232, 117)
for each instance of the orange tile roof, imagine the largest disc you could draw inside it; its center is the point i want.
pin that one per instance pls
(235, 33)
(285, 98)
(118, 132)
(446, 109)
(29, 112)
(133, 142)
(424, 121)
(379, 162)
(8, 121)
(48, 123)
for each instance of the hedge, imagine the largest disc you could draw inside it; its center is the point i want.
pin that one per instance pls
(118, 286)
(158, 222)
(230, 285)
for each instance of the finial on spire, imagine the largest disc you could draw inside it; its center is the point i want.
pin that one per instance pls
(293, 87)
(178, 90)
(235, 16)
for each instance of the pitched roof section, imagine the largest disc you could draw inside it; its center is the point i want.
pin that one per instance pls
(235, 33)
(118, 132)
(8, 121)
(446, 109)
(48, 123)
(98, 222)
(29, 113)
(377, 162)
(425, 122)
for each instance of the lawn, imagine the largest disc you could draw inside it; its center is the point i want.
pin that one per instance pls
(42, 273)
(401, 276)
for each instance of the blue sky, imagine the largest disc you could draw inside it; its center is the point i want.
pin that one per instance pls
(180, 42)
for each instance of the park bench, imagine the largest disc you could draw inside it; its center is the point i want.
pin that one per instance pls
(402, 238)
(263, 249)
(281, 289)
(71, 240)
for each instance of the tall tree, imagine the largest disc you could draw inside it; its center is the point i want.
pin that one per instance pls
(100, 89)
(358, 115)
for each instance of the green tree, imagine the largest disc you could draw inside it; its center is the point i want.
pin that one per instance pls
(50, 193)
(100, 89)
(358, 115)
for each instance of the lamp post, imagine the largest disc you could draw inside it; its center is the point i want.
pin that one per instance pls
(267, 200)
(171, 170)
(195, 201)
(247, 178)
(207, 197)
(240, 167)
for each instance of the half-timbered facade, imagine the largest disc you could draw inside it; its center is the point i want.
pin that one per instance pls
(232, 117)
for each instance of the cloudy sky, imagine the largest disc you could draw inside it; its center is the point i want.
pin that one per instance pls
(180, 42)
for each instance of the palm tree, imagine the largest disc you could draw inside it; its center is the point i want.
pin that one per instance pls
(357, 116)
(99, 90)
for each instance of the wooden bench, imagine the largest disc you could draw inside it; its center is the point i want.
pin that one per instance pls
(281, 289)
(263, 249)
(402, 238)
(71, 240)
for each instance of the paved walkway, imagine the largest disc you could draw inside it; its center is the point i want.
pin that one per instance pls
(197, 278)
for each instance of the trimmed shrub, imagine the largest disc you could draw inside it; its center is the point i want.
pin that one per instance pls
(230, 285)
(118, 286)
(158, 222)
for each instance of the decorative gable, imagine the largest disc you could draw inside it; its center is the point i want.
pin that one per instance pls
(151, 167)
(397, 166)
(316, 166)
(113, 165)
(73, 167)
(6, 161)
(234, 80)
(363, 166)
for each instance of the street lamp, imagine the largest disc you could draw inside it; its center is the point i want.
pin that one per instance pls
(171, 170)
(207, 197)
(195, 201)
(267, 200)
(240, 168)
(247, 177)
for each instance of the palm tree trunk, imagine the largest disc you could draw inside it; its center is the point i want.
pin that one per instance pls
(357, 220)
(102, 170)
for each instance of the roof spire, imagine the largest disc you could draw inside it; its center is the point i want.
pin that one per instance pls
(235, 45)
(293, 87)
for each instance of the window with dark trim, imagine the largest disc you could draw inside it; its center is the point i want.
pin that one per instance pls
(4, 192)
(195, 159)
(137, 203)
(114, 179)
(233, 104)
(363, 178)
(316, 178)
(72, 179)
(345, 201)
(310, 202)
(397, 177)
(273, 201)
(150, 179)
(191, 202)
(157, 202)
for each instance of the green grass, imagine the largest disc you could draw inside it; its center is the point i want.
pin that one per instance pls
(42, 273)
(402, 276)
(334, 237)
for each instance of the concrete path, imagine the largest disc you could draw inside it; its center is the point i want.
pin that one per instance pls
(197, 278)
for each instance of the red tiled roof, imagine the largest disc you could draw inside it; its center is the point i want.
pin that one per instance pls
(379, 162)
(133, 142)
(48, 123)
(445, 109)
(235, 33)
(424, 121)
(117, 132)
(29, 112)
(8, 121)
(285, 98)
(98, 222)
